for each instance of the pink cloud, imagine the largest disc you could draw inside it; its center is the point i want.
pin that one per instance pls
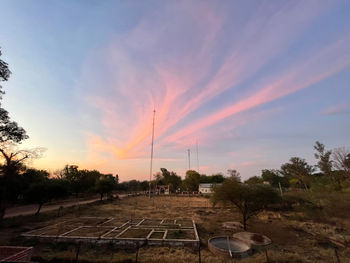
(175, 85)
(318, 67)
(336, 109)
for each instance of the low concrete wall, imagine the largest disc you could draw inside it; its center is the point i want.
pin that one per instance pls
(123, 242)
(15, 254)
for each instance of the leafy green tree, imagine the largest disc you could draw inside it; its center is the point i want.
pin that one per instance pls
(133, 186)
(168, 178)
(211, 179)
(234, 174)
(324, 159)
(88, 179)
(174, 182)
(248, 199)
(44, 191)
(144, 185)
(105, 185)
(12, 165)
(298, 168)
(254, 180)
(274, 178)
(341, 161)
(158, 178)
(72, 174)
(192, 180)
(38, 193)
(4, 72)
(9, 130)
(31, 176)
(12, 161)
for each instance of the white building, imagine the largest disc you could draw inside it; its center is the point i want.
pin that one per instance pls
(162, 189)
(205, 188)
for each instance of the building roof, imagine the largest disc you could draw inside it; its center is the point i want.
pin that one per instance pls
(208, 185)
(205, 185)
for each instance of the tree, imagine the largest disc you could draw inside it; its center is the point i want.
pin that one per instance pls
(10, 133)
(12, 165)
(4, 73)
(274, 178)
(211, 179)
(168, 178)
(341, 160)
(299, 169)
(234, 174)
(73, 176)
(38, 193)
(31, 176)
(133, 185)
(44, 191)
(254, 180)
(11, 156)
(9, 130)
(158, 178)
(144, 185)
(192, 179)
(88, 179)
(324, 159)
(105, 184)
(248, 199)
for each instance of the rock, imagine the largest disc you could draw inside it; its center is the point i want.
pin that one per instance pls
(234, 225)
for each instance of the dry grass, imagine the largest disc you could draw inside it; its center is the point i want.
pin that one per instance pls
(290, 244)
(136, 233)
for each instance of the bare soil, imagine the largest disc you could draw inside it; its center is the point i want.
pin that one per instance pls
(136, 233)
(180, 234)
(296, 236)
(157, 235)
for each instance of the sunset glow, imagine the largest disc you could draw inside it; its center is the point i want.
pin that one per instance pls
(253, 82)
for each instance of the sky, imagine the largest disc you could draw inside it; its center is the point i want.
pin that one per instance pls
(251, 83)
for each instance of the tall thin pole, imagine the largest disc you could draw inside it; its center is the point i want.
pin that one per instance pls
(189, 159)
(150, 171)
(197, 156)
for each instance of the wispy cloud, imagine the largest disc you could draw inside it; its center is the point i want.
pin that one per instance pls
(176, 70)
(336, 109)
(319, 66)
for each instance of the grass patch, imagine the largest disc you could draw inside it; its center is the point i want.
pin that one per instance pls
(83, 221)
(151, 222)
(114, 233)
(180, 234)
(290, 244)
(114, 222)
(136, 233)
(58, 230)
(157, 235)
(185, 222)
(89, 232)
(168, 222)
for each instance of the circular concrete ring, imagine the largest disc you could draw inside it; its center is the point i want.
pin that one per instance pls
(223, 245)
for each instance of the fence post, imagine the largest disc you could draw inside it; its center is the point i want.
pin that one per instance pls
(199, 252)
(77, 253)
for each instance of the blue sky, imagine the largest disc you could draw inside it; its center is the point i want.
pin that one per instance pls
(254, 82)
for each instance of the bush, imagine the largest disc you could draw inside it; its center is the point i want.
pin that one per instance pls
(249, 199)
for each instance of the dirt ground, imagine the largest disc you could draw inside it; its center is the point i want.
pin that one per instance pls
(293, 240)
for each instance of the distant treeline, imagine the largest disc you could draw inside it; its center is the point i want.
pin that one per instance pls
(22, 185)
(28, 185)
(175, 182)
(332, 171)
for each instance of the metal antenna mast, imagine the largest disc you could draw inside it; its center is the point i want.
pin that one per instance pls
(150, 171)
(197, 156)
(189, 159)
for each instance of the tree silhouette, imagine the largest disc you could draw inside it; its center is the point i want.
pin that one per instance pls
(10, 134)
(248, 199)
